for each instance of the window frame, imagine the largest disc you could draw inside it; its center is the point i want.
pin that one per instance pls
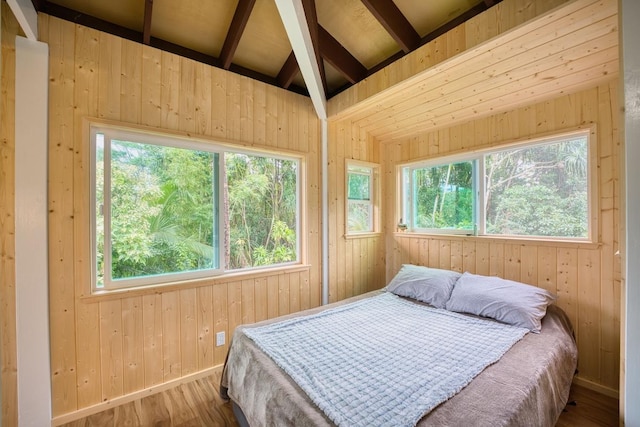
(184, 141)
(374, 192)
(479, 182)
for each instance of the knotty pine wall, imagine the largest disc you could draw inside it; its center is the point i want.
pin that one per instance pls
(356, 263)
(586, 277)
(106, 347)
(8, 356)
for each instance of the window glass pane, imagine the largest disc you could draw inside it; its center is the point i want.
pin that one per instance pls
(538, 190)
(359, 186)
(443, 196)
(360, 216)
(262, 206)
(163, 210)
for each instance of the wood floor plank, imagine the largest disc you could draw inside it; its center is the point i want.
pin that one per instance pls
(198, 403)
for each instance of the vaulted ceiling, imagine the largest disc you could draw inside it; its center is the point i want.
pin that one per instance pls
(351, 38)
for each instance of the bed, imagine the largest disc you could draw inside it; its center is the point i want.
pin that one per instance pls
(528, 385)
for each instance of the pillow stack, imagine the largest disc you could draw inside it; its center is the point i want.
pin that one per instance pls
(506, 301)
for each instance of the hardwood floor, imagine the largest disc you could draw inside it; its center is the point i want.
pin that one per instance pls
(198, 404)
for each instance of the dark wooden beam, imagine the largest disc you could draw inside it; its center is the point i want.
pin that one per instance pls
(288, 71)
(489, 3)
(238, 23)
(311, 14)
(146, 29)
(76, 17)
(335, 54)
(395, 23)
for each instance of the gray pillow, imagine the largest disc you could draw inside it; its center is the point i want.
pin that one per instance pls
(504, 300)
(430, 285)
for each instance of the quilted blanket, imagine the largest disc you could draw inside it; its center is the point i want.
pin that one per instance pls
(383, 360)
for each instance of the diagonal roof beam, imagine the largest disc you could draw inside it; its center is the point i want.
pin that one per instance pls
(288, 71)
(146, 29)
(238, 23)
(312, 22)
(335, 54)
(489, 3)
(27, 16)
(395, 23)
(295, 23)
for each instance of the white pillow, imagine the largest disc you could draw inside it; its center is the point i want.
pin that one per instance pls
(504, 300)
(430, 285)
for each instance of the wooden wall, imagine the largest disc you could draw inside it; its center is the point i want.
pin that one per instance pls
(8, 356)
(356, 263)
(586, 277)
(103, 348)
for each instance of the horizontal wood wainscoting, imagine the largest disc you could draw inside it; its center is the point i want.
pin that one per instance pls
(586, 277)
(106, 348)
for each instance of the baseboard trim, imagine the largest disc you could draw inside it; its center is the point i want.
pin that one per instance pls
(607, 391)
(121, 400)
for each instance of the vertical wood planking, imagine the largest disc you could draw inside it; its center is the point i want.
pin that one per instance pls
(188, 331)
(152, 352)
(205, 325)
(132, 351)
(171, 358)
(61, 261)
(559, 267)
(111, 349)
(104, 348)
(221, 320)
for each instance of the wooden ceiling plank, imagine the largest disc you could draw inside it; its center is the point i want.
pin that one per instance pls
(453, 87)
(396, 24)
(539, 31)
(288, 71)
(510, 78)
(146, 30)
(546, 89)
(238, 24)
(335, 54)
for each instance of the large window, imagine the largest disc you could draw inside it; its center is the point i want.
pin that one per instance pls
(537, 189)
(361, 192)
(169, 209)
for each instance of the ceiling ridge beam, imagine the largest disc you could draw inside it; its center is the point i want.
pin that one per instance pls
(396, 24)
(338, 56)
(294, 20)
(238, 24)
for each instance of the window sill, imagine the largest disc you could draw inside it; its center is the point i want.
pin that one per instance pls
(362, 235)
(114, 294)
(583, 244)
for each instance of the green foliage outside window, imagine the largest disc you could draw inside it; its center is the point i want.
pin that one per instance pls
(535, 190)
(164, 212)
(359, 203)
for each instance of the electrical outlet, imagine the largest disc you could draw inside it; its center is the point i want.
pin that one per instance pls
(220, 338)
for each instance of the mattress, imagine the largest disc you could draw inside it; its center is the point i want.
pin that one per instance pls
(528, 386)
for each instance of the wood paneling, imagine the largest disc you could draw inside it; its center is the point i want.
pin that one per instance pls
(584, 276)
(433, 102)
(106, 347)
(8, 356)
(571, 48)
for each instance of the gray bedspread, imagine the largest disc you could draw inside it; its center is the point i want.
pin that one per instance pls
(528, 386)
